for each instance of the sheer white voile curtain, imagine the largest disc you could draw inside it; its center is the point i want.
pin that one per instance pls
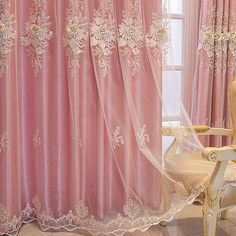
(81, 114)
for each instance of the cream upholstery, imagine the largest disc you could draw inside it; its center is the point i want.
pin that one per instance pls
(218, 163)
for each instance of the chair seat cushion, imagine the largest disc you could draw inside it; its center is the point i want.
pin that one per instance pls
(191, 169)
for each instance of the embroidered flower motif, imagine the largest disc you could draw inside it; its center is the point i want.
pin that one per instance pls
(131, 36)
(132, 209)
(157, 38)
(37, 34)
(81, 210)
(36, 203)
(3, 214)
(103, 34)
(36, 138)
(142, 136)
(117, 139)
(3, 142)
(76, 32)
(217, 44)
(7, 34)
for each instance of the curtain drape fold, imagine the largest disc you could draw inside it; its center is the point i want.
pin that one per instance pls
(81, 116)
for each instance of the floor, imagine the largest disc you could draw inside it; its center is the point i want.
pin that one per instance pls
(187, 223)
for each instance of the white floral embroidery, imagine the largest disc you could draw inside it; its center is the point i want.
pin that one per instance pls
(3, 214)
(133, 217)
(132, 209)
(131, 36)
(3, 142)
(142, 136)
(157, 38)
(37, 34)
(7, 34)
(36, 138)
(103, 34)
(217, 43)
(82, 210)
(117, 139)
(76, 32)
(36, 203)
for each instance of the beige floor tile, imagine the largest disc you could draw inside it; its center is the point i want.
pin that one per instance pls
(66, 234)
(32, 230)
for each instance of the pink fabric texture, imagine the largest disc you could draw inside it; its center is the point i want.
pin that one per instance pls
(81, 115)
(67, 136)
(216, 66)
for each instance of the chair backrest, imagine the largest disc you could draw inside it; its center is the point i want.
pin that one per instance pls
(232, 106)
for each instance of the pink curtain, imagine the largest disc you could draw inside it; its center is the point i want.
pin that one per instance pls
(216, 66)
(81, 114)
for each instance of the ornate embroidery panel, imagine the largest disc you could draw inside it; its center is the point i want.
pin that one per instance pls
(103, 34)
(217, 44)
(157, 38)
(76, 32)
(131, 36)
(7, 34)
(37, 34)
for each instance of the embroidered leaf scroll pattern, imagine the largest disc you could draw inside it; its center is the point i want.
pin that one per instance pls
(103, 34)
(117, 139)
(37, 34)
(36, 138)
(37, 204)
(7, 34)
(131, 36)
(3, 142)
(76, 32)
(217, 41)
(81, 210)
(142, 136)
(157, 38)
(132, 209)
(3, 214)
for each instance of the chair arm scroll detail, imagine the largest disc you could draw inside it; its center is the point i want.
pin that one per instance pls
(213, 154)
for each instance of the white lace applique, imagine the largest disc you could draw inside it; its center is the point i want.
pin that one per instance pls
(131, 36)
(3, 214)
(7, 34)
(36, 203)
(157, 38)
(103, 34)
(76, 32)
(36, 138)
(142, 136)
(37, 34)
(80, 218)
(3, 142)
(81, 210)
(117, 138)
(132, 209)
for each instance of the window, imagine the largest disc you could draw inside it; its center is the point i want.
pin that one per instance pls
(173, 71)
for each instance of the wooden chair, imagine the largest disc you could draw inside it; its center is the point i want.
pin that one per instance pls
(219, 195)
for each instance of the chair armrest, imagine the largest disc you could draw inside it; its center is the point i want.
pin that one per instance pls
(199, 130)
(215, 154)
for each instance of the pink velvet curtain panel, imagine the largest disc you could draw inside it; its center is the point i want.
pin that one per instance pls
(216, 65)
(80, 114)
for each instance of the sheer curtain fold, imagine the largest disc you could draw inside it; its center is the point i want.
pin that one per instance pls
(81, 116)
